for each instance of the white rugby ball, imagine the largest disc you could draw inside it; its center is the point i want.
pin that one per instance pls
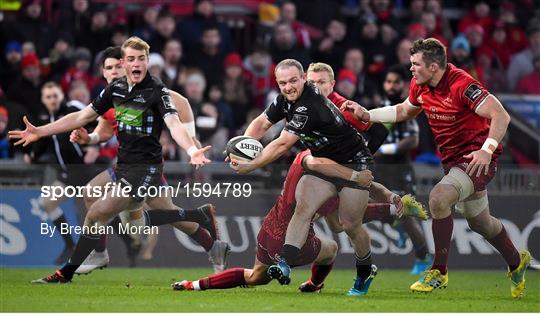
(243, 148)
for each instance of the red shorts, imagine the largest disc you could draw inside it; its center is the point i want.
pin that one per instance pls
(268, 250)
(479, 182)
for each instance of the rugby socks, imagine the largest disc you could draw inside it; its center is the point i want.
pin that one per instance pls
(421, 251)
(416, 234)
(229, 278)
(377, 211)
(442, 236)
(504, 245)
(87, 243)
(58, 218)
(319, 273)
(102, 243)
(158, 217)
(202, 236)
(289, 252)
(363, 265)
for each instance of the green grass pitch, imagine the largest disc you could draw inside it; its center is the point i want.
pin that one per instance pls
(147, 290)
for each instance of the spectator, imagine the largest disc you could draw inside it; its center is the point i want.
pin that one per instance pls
(429, 20)
(346, 84)
(521, 63)
(530, 83)
(236, 89)
(288, 15)
(479, 15)
(165, 30)
(60, 55)
(516, 39)
(416, 8)
(192, 28)
(10, 63)
(492, 70)
(99, 34)
(32, 27)
(148, 25)
(331, 48)
(366, 87)
(416, 31)
(76, 19)
(79, 95)
(172, 55)
(460, 56)
(206, 115)
(384, 13)
(79, 71)
(443, 25)
(499, 44)
(260, 73)
(209, 56)
(283, 45)
(119, 34)
(26, 90)
(156, 65)
(475, 37)
(5, 147)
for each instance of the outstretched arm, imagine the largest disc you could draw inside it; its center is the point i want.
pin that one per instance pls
(330, 168)
(180, 135)
(397, 113)
(67, 123)
(258, 127)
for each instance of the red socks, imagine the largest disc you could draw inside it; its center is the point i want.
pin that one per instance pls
(442, 236)
(229, 278)
(319, 273)
(504, 245)
(202, 236)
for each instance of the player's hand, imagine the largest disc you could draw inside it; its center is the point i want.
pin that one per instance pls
(198, 159)
(359, 112)
(27, 136)
(480, 160)
(364, 178)
(241, 166)
(396, 200)
(79, 136)
(92, 153)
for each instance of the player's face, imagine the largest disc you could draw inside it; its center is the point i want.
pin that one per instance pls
(420, 70)
(393, 85)
(52, 98)
(290, 82)
(112, 69)
(135, 63)
(322, 80)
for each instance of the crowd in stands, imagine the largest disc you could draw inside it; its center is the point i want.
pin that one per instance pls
(227, 71)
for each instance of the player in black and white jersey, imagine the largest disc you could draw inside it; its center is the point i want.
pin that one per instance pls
(320, 126)
(142, 105)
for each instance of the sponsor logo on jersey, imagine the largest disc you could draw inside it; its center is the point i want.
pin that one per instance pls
(301, 109)
(298, 121)
(167, 102)
(419, 99)
(139, 99)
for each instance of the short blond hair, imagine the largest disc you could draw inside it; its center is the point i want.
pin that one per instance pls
(136, 43)
(321, 67)
(51, 84)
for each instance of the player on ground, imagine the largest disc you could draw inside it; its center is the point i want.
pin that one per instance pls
(314, 120)
(393, 167)
(320, 252)
(106, 128)
(468, 123)
(142, 105)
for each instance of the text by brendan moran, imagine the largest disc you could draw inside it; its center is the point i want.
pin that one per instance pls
(65, 228)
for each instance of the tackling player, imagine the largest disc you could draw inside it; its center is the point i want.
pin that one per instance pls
(468, 124)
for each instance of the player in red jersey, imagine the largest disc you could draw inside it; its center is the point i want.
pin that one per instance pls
(319, 251)
(106, 128)
(468, 124)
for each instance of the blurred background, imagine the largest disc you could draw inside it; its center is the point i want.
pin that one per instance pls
(220, 54)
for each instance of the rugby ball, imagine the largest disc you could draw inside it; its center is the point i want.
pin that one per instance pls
(243, 148)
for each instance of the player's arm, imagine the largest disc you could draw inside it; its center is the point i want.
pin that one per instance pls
(391, 114)
(258, 127)
(271, 152)
(330, 168)
(103, 132)
(377, 134)
(491, 109)
(67, 123)
(181, 136)
(185, 114)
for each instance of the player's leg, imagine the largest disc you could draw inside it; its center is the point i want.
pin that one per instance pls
(55, 214)
(416, 234)
(476, 210)
(217, 250)
(96, 220)
(230, 278)
(321, 267)
(352, 205)
(311, 193)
